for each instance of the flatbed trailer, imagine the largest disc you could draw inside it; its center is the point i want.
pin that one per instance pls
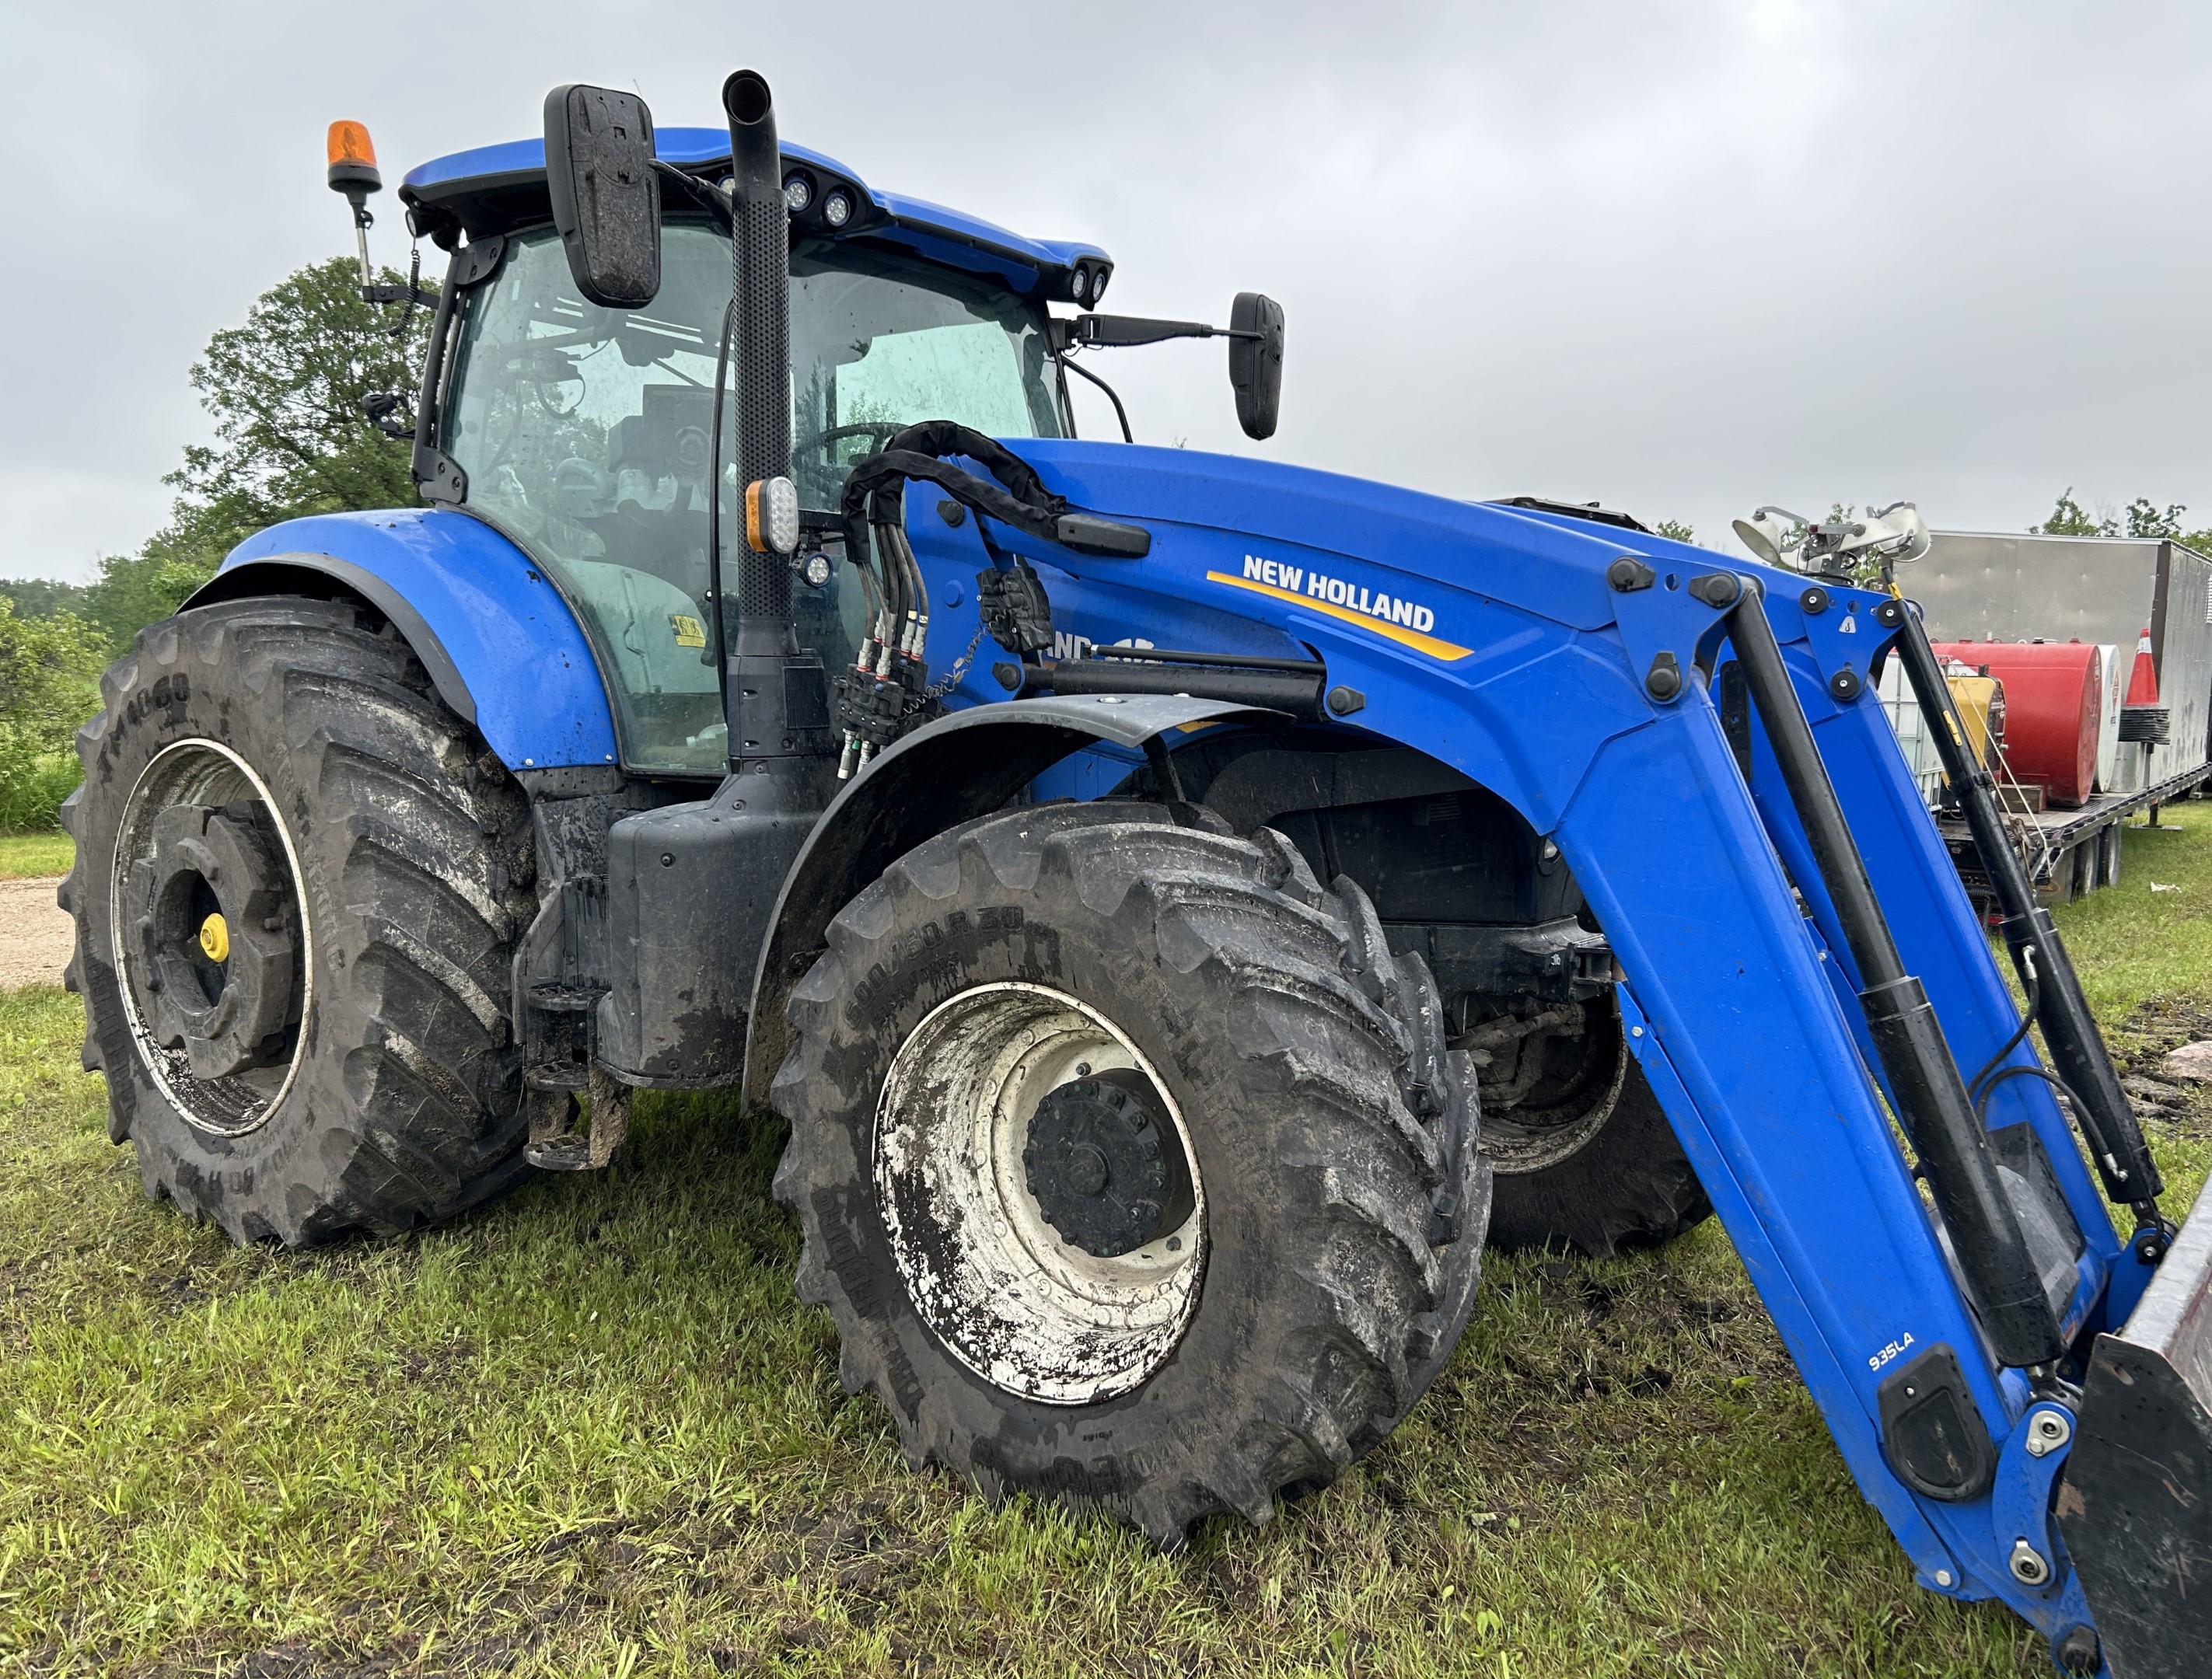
(2069, 853)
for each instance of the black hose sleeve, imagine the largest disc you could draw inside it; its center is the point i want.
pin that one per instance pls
(944, 438)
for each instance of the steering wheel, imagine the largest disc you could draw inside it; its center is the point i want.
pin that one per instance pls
(877, 432)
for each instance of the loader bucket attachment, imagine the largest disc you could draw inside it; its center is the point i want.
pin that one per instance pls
(2136, 1504)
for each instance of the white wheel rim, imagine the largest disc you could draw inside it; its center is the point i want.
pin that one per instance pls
(204, 772)
(1026, 1310)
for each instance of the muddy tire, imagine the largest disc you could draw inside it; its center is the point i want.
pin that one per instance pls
(299, 881)
(1134, 1171)
(1584, 1155)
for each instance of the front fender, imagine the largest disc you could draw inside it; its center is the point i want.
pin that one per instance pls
(498, 641)
(958, 767)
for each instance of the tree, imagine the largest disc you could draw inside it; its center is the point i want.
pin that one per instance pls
(49, 684)
(2068, 518)
(285, 390)
(1675, 530)
(2146, 520)
(42, 598)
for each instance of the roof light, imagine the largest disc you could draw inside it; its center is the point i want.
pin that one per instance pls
(353, 159)
(1098, 278)
(772, 516)
(797, 194)
(837, 210)
(1078, 283)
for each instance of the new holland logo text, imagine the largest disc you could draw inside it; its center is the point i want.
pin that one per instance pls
(1404, 620)
(1390, 608)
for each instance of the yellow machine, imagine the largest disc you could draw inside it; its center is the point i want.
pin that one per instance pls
(1980, 700)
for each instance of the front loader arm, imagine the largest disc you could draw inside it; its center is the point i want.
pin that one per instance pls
(1805, 982)
(1753, 1037)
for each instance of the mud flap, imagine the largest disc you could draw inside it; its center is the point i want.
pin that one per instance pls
(2136, 1504)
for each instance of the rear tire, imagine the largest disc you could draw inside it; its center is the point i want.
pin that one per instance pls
(388, 861)
(1336, 1205)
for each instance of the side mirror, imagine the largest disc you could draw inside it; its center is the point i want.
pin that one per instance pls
(1255, 362)
(606, 198)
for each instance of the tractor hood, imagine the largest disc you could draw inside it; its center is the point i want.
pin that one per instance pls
(1256, 523)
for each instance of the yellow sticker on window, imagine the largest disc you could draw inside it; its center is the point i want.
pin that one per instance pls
(690, 632)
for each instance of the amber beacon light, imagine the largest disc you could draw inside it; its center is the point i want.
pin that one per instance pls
(353, 171)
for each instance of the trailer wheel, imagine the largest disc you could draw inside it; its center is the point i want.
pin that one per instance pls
(1583, 1153)
(1134, 1171)
(299, 880)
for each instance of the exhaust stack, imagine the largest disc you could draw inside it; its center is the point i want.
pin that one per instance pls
(778, 703)
(760, 247)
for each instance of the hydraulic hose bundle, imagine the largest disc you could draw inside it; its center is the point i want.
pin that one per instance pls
(887, 691)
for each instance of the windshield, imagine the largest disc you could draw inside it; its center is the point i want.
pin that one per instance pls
(584, 434)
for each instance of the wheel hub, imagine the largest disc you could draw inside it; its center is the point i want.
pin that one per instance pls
(210, 923)
(1104, 1163)
(208, 937)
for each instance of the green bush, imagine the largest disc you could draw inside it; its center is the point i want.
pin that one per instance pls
(33, 787)
(49, 685)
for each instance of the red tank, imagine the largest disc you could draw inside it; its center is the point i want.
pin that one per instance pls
(2050, 709)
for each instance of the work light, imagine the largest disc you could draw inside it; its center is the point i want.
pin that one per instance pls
(772, 516)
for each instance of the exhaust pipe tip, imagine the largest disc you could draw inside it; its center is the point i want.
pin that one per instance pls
(746, 99)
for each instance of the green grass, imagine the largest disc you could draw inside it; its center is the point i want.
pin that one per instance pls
(590, 1430)
(31, 856)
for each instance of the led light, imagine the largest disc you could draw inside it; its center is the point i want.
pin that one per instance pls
(797, 194)
(772, 516)
(1079, 284)
(837, 209)
(814, 569)
(1099, 283)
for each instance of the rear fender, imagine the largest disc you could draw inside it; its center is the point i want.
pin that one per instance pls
(501, 646)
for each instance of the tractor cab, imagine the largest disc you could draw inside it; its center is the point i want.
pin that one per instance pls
(584, 433)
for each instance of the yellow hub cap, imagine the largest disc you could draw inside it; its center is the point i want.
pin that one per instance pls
(214, 938)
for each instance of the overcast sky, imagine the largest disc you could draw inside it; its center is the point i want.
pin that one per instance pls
(1683, 257)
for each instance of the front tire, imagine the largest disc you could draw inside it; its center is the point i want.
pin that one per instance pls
(1133, 1170)
(1583, 1153)
(297, 884)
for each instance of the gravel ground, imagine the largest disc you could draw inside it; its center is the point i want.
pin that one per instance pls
(35, 935)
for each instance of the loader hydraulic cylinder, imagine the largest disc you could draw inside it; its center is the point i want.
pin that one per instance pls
(2123, 1158)
(1924, 1082)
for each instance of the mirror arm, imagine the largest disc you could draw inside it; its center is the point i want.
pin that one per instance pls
(1128, 331)
(705, 193)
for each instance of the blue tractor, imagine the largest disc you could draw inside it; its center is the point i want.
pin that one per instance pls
(1181, 905)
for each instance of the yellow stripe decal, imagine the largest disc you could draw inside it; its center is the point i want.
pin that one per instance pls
(1411, 638)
